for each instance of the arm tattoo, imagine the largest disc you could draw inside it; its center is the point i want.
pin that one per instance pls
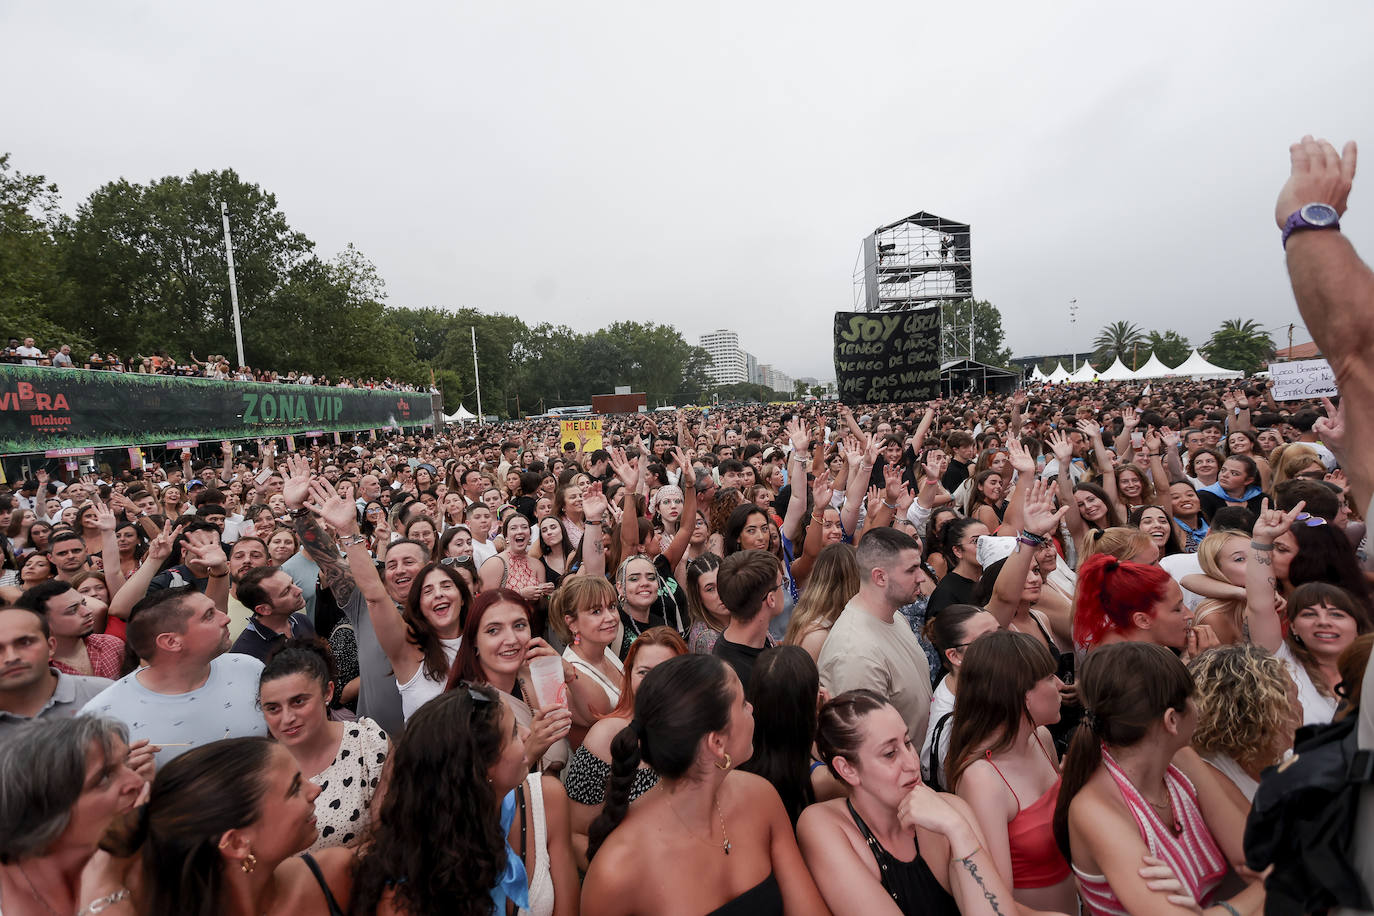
(319, 546)
(988, 895)
(1262, 558)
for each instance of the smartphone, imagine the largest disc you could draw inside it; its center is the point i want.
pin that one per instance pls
(263, 475)
(1137, 440)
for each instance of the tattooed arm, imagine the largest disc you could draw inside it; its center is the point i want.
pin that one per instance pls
(335, 574)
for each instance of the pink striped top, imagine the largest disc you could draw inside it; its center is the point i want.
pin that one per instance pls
(1192, 854)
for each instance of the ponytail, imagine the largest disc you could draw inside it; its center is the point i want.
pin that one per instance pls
(1081, 760)
(1110, 592)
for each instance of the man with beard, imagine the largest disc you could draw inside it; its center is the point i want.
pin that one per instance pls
(276, 601)
(192, 690)
(871, 645)
(77, 647)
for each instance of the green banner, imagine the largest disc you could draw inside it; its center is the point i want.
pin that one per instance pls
(43, 409)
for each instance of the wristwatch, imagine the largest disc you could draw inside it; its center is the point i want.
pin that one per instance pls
(1311, 216)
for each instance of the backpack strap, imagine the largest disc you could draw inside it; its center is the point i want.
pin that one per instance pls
(934, 765)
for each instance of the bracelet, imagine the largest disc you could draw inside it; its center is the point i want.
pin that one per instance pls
(1258, 546)
(220, 576)
(1031, 540)
(101, 904)
(301, 512)
(889, 505)
(1228, 908)
(967, 860)
(352, 540)
(592, 521)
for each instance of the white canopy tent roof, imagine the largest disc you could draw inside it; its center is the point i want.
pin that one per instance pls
(1153, 368)
(1085, 373)
(459, 415)
(1116, 372)
(1038, 376)
(1060, 374)
(1197, 366)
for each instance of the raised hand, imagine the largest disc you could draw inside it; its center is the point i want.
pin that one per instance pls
(1330, 429)
(594, 502)
(821, 489)
(1152, 441)
(892, 482)
(853, 452)
(337, 511)
(1021, 460)
(1090, 429)
(1062, 448)
(1338, 478)
(904, 500)
(160, 547)
(874, 501)
(105, 518)
(1274, 522)
(1169, 438)
(1130, 419)
(624, 469)
(1039, 515)
(796, 434)
(203, 553)
(296, 482)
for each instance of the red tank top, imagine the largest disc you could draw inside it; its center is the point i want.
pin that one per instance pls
(1035, 857)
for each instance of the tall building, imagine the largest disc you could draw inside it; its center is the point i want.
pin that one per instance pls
(729, 365)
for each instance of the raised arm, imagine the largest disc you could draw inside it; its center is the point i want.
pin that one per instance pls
(1173, 463)
(594, 509)
(863, 454)
(1104, 460)
(678, 546)
(342, 515)
(1024, 465)
(1018, 401)
(203, 554)
(109, 546)
(918, 438)
(815, 530)
(1261, 588)
(136, 586)
(335, 573)
(796, 476)
(1332, 430)
(1040, 519)
(1334, 290)
(631, 477)
(1063, 453)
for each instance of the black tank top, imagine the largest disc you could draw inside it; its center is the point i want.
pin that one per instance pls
(334, 908)
(911, 885)
(763, 899)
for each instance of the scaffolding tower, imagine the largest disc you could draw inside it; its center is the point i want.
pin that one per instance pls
(916, 261)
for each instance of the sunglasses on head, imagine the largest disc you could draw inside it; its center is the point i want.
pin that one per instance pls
(1308, 520)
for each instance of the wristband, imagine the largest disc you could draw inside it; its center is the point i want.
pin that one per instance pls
(592, 521)
(352, 540)
(301, 512)
(1031, 540)
(1258, 546)
(220, 576)
(889, 505)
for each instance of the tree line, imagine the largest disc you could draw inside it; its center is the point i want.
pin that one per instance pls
(140, 269)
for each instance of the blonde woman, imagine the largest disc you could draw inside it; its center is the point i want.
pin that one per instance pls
(1130, 544)
(1247, 712)
(833, 582)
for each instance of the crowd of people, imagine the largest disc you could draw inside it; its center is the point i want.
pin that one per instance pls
(1034, 653)
(159, 363)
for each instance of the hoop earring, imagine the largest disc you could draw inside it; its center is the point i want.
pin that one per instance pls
(249, 863)
(725, 765)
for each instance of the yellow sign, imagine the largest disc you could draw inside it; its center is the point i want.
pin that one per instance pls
(584, 433)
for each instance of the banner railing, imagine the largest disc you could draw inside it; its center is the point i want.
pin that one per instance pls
(45, 409)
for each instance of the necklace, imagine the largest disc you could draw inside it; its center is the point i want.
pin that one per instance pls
(34, 891)
(724, 847)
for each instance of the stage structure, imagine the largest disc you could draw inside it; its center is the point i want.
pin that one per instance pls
(915, 261)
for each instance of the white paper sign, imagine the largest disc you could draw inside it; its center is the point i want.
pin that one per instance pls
(1302, 378)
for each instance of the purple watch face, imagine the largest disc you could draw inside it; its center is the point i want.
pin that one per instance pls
(1310, 216)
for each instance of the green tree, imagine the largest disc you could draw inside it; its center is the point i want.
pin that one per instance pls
(32, 286)
(817, 391)
(1171, 347)
(988, 335)
(1122, 339)
(1240, 343)
(149, 270)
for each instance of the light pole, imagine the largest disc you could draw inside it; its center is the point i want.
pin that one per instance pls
(1073, 328)
(233, 284)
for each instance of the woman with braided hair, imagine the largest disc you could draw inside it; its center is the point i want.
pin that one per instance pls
(725, 832)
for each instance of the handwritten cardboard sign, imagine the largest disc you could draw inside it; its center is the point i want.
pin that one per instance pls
(1302, 378)
(883, 357)
(585, 432)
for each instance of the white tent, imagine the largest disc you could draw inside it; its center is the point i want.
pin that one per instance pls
(1038, 376)
(1116, 372)
(1060, 374)
(1153, 368)
(460, 415)
(1196, 366)
(1085, 373)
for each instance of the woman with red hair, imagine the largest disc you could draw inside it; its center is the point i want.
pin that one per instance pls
(1118, 601)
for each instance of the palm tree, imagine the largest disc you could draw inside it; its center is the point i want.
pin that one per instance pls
(1240, 343)
(1119, 338)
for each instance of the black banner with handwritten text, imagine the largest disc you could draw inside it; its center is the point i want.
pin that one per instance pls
(885, 357)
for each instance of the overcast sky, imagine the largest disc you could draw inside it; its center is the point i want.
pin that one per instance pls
(717, 165)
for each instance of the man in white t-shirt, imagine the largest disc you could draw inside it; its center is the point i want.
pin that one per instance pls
(29, 355)
(193, 690)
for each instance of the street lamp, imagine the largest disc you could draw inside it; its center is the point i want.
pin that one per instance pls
(1073, 327)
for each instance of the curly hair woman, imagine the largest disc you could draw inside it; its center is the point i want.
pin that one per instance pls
(1247, 711)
